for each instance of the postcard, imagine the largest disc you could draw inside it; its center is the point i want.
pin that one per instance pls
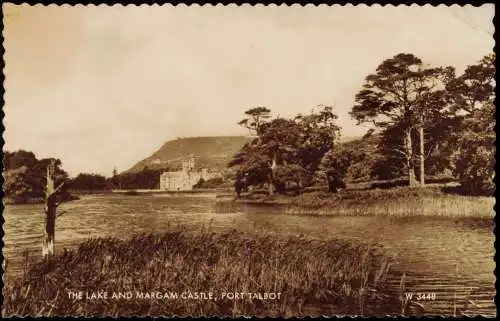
(282, 161)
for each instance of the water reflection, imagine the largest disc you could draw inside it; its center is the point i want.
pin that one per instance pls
(442, 254)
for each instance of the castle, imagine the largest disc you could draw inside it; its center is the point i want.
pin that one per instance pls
(186, 178)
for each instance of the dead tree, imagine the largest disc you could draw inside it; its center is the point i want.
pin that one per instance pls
(51, 203)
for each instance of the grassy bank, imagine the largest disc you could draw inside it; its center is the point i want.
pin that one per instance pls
(314, 277)
(398, 201)
(34, 200)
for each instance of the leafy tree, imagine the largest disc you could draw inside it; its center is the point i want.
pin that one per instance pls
(475, 87)
(253, 167)
(287, 152)
(291, 176)
(403, 93)
(334, 166)
(276, 145)
(279, 141)
(29, 175)
(433, 120)
(37, 176)
(319, 132)
(366, 156)
(301, 142)
(473, 95)
(255, 118)
(15, 185)
(12, 160)
(391, 163)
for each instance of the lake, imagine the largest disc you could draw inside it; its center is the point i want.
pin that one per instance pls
(449, 257)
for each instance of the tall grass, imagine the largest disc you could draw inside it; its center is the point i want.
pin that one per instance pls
(314, 277)
(399, 201)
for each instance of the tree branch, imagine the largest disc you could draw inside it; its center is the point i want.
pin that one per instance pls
(61, 213)
(58, 188)
(399, 150)
(431, 150)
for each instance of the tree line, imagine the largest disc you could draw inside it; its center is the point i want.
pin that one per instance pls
(25, 178)
(144, 179)
(427, 119)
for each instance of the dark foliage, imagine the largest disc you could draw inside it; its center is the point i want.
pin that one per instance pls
(26, 176)
(144, 179)
(91, 182)
(287, 152)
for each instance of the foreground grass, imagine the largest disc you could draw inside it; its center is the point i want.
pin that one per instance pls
(398, 201)
(314, 277)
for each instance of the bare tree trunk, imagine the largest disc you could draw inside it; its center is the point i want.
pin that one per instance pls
(270, 187)
(272, 175)
(409, 158)
(48, 246)
(422, 155)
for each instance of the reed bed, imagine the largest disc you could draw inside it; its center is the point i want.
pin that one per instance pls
(313, 277)
(399, 202)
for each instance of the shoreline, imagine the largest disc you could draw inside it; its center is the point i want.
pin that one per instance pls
(154, 191)
(398, 202)
(76, 195)
(35, 200)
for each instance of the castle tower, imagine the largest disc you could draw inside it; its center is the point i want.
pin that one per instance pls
(191, 162)
(204, 173)
(185, 165)
(188, 164)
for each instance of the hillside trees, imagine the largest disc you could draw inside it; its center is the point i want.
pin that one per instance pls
(403, 94)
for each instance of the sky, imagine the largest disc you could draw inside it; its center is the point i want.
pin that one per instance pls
(102, 87)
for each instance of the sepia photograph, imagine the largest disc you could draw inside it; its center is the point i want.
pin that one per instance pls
(228, 161)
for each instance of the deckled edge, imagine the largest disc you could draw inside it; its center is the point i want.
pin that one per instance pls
(382, 3)
(495, 160)
(258, 3)
(2, 128)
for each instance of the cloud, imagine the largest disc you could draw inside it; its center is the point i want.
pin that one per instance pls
(106, 86)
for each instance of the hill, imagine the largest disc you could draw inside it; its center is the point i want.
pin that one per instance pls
(211, 152)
